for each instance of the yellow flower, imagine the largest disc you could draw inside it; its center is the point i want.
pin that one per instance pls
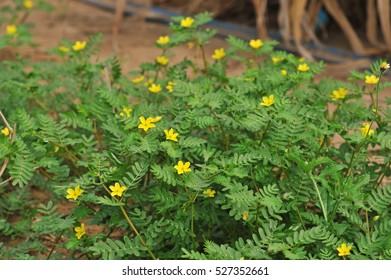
(138, 79)
(218, 54)
(156, 119)
(80, 231)
(384, 66)
(162, 60)
(187, 22)
(283, 72)
(155, 88)
(146, 124)
(339, 94)
(28, 4)
(78, 46)
(344, 250)
(12, 29)
(163, 40)
(5, 131)
(170, 86)
(256, 44)
(371, 80)
(190, 45)
(245, 215)
(148, 82)
(182, 167)
(267, 101)
(366, 130)
(117, 190)
(303, 67)
(125, 110)
(209, 192)
(277, 59)
(63, 49)
(170, 135)
(74, 193)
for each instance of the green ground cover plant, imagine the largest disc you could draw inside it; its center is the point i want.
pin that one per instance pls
(189, 161)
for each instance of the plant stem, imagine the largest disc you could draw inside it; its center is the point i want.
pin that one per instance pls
(130, 222)
(319, 196)
(204, 58)
(264, 132)
(55, 244)
(383, 174)
(6, 181)
(376, 104)
(136, 232)
(351, 161)
(224, 135)
(301, 219)
(5, 121)
(377, 97)
(367, 220)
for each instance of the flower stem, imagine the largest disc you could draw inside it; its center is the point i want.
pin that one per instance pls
(204, 58)
(130, 222)
(319, 196)
(383, 174)
(55, 244)
(264, 132)
(377, 96)
(136, 232)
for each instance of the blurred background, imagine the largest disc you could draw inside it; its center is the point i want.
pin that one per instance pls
(347, 34)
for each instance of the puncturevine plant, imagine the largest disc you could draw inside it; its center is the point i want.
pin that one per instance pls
(186, 160)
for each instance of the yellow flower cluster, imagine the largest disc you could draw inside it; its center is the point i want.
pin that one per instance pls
(5, 131)
(74, 193)
(11, 29)
(171, 135)
(339, 94)
(148, 123)
(218, 54)
(163, 40)
(155, 88)
(80, 231)
(209, 192)
(245, 215)
(170, 86)
(256, 44)
(344, 250)
(371, 80)
(162, 60)
(125, 111)
(117, 190)
(78, 46)
(182, 167)
(277, 59)
(138, 79)
(366, 130)
(187, 22)
(28, 4)
(384, 66)
(267, 101)
(63, 49)
(303, 67)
